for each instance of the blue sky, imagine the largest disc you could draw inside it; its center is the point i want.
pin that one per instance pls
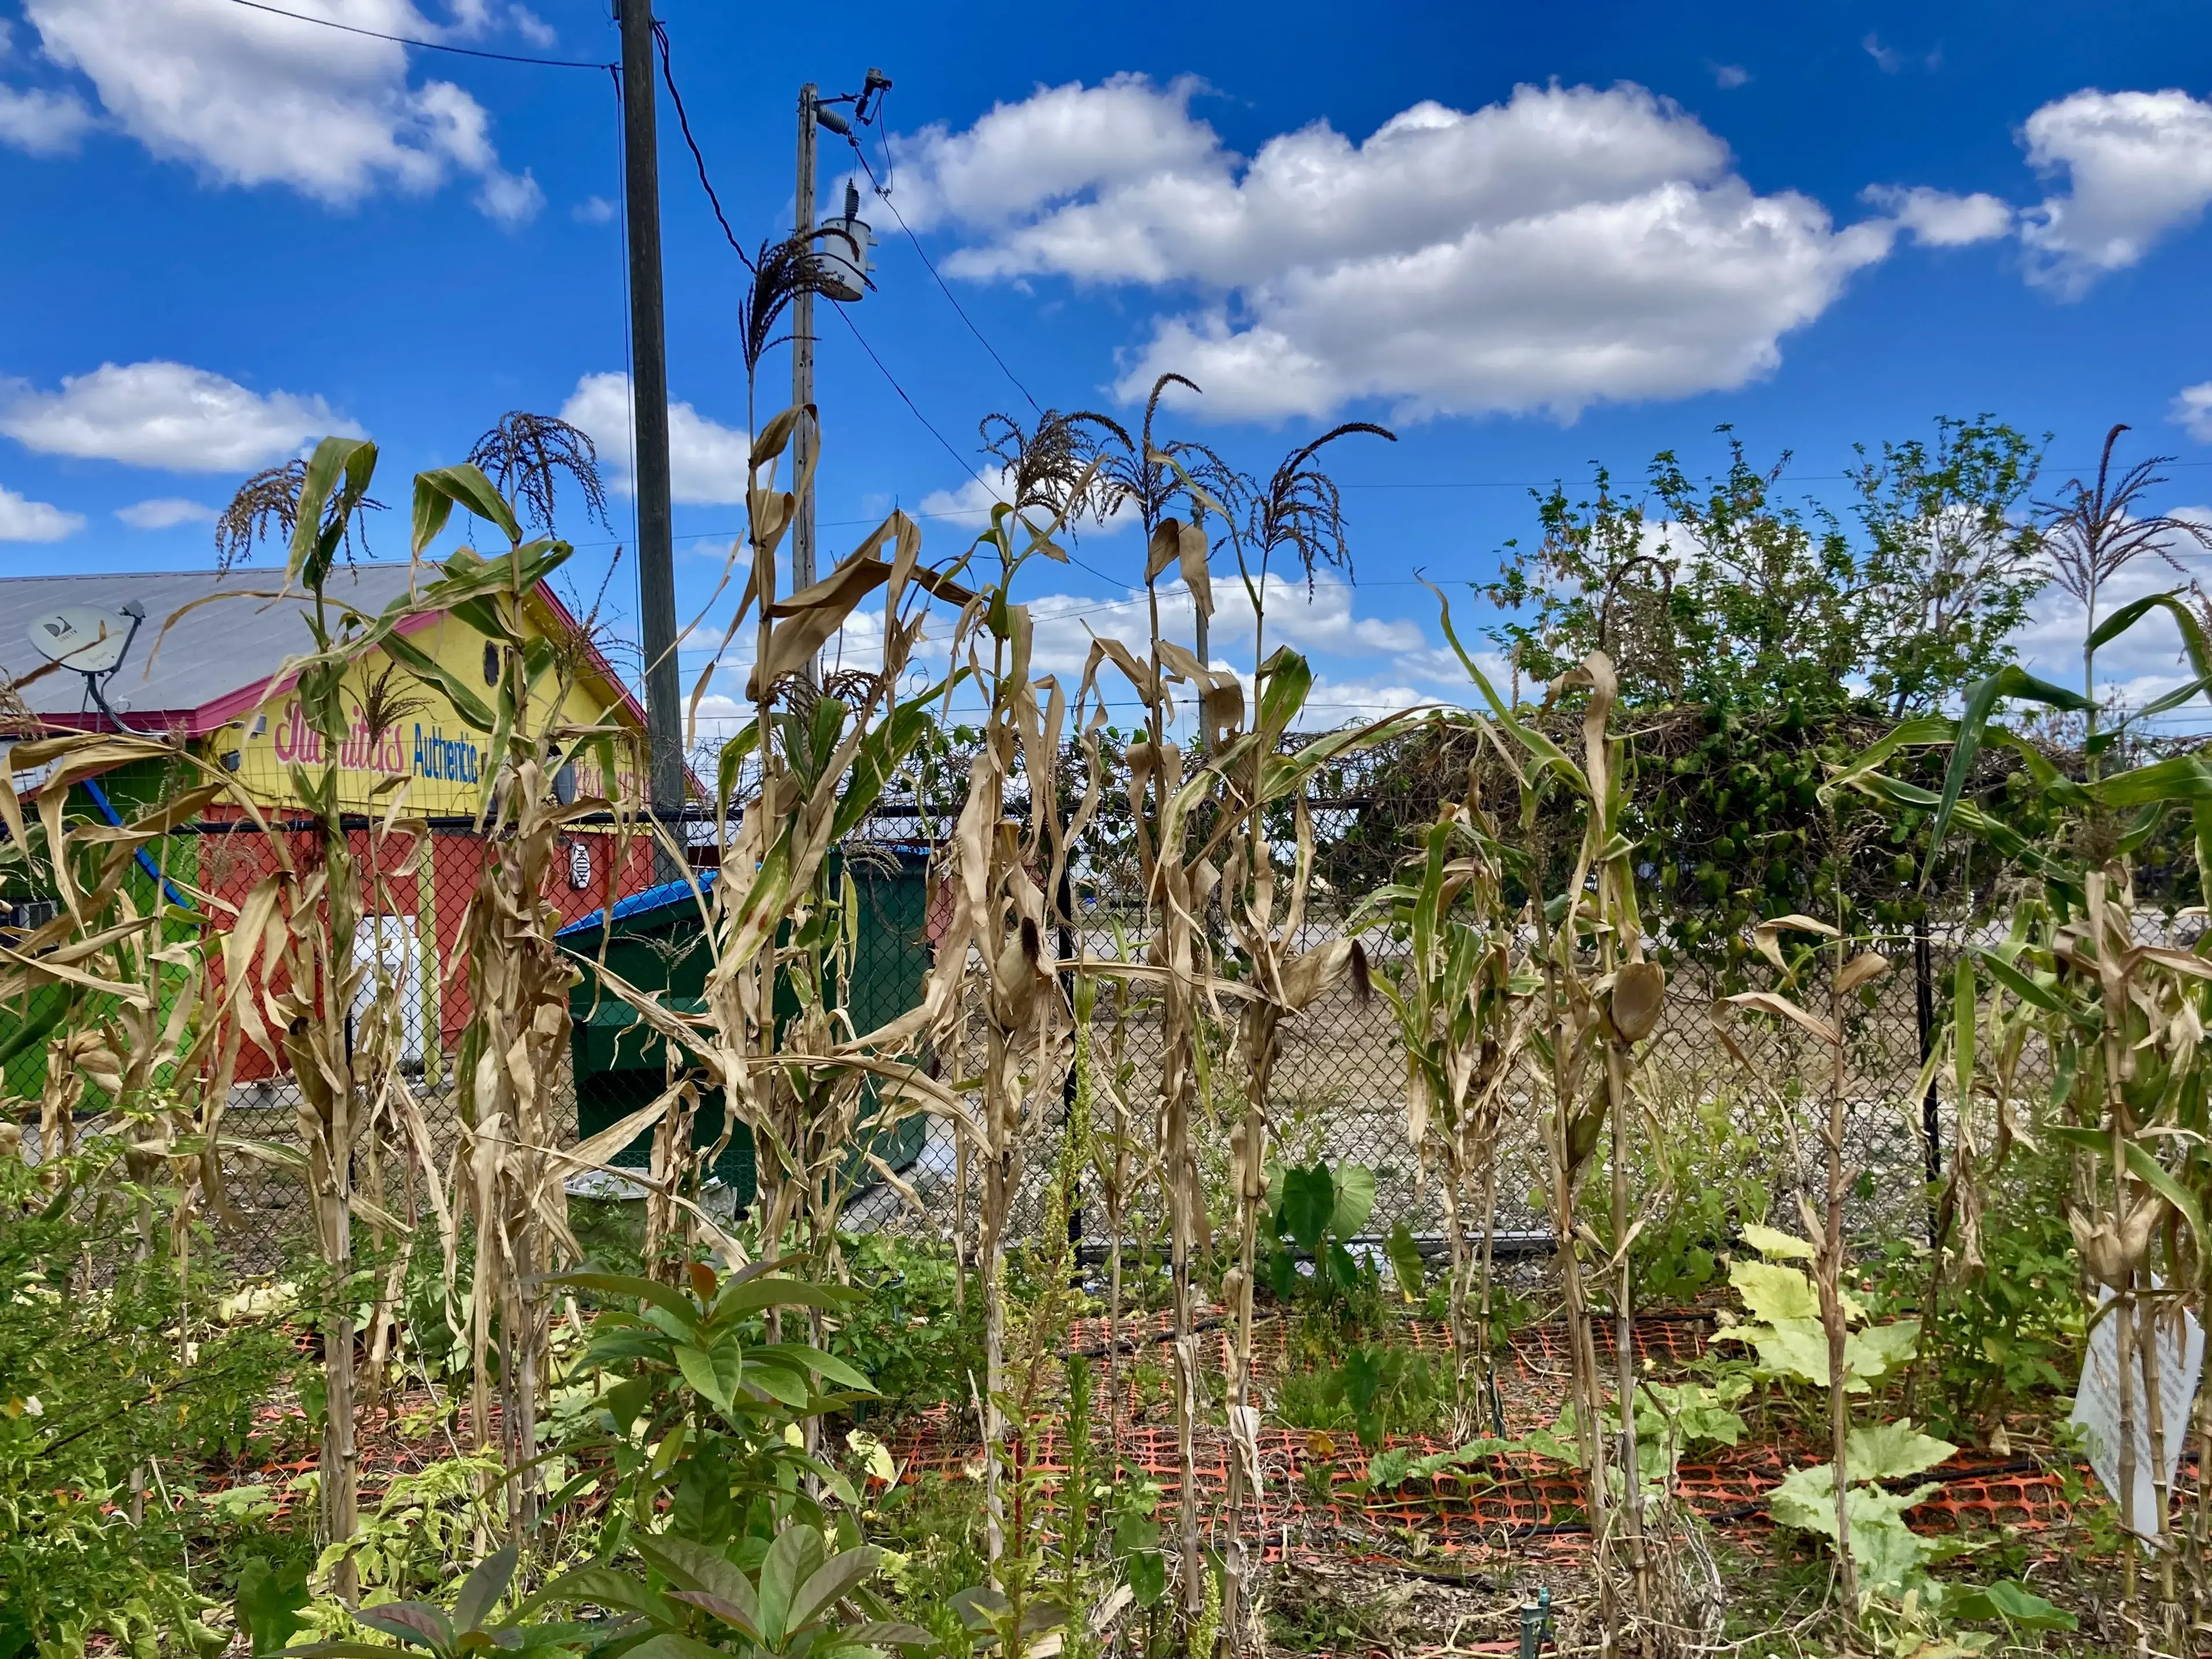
(1526, 237)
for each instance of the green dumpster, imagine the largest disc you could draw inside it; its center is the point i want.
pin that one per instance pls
(657, 944)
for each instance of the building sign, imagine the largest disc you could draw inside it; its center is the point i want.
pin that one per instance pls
(441, 763)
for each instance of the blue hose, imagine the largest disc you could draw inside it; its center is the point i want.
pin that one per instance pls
(107, 810)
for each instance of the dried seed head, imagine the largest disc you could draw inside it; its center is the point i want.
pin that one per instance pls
(1639, 992)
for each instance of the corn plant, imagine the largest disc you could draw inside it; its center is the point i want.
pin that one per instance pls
(1601, 997)
(301, 923)
(115, 984)
(1848, 971)
(1164, 805)
(2121, 1018)
(1462, 996)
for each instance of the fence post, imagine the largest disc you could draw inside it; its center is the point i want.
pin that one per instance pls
(1931, 1127)
(1064, 901)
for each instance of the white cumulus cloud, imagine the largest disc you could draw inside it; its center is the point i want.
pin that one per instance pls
(165, 415)
(706, 459)
(25, 520)
(1568, 247)
(165, 512)
(1940, 219)
(249, 98)
(2137, 165)
(2192, 408)
(42, 121)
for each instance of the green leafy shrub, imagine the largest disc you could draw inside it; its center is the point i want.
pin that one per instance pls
(95, 1383)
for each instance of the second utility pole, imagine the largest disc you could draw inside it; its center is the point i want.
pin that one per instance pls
(648, 394)
(803, 437)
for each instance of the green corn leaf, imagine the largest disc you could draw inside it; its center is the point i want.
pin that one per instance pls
(464, 487)
(456, 689)
(2149, 1170)
(2010, 682)
(1287, 681)
(2020, 984)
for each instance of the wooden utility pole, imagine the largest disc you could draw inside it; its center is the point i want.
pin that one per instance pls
(803, 438)
(656, 567)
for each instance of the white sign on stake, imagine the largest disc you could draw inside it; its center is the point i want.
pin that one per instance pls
(2097, 1407)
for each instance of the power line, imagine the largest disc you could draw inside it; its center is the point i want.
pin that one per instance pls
(965, 465)
(683, 120)
(424, 45)
(1591, 483)
(883, 196)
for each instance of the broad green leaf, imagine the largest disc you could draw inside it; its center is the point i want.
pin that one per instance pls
(714, 1372)
(481, 1590)
(1774, 1293)
(1308, 1202)
(647, 1290)
(672, 1645)
(792, 1560)
(2014, 1603)
(1775, 1244)
(1795, 1347)
(781, 1383)
(755, 1295)
(691, 1564)
(1406, 1264)
(1148, 1578)
(415, 1623)
(1888, 1553)
(836, 1578)
(802, 1357)
(1873, 1353)
(1891, 1452)
(1355, 1199)
(269, 1602)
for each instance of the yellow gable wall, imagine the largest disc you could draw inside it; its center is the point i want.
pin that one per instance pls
(440, 759)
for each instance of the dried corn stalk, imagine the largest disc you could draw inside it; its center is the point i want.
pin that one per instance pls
(1601, 998)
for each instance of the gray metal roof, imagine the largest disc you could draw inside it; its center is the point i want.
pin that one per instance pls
(211, 652)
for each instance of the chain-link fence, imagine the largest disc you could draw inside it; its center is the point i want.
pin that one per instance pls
(1725, 1099)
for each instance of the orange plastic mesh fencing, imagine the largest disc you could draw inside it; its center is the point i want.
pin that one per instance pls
(1314, 1486)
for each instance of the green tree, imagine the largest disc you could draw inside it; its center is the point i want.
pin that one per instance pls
(1951, 562)
(1716, 593)
(1720, 593)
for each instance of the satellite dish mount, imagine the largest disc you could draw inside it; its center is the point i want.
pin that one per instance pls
(90, 641)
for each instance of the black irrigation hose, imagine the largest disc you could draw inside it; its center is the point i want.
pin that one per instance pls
(1132, 1344)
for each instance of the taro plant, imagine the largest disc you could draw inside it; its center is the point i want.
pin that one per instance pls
(1316, 1213)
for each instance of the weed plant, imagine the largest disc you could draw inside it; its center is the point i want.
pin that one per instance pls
(111, 1400)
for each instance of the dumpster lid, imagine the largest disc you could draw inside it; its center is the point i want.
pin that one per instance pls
(653, 898)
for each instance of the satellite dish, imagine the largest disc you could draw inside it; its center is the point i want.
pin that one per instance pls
(83, 637)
